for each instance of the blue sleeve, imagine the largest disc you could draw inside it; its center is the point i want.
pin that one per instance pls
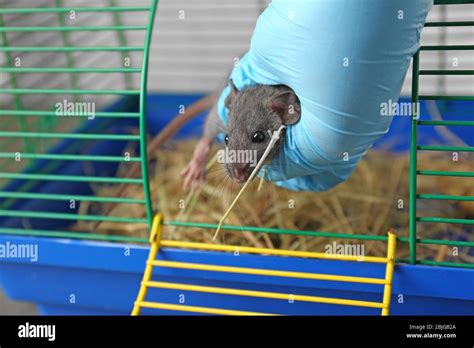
(343, 59)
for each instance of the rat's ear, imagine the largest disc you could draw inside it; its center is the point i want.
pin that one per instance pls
(232, 94)
(287, 105)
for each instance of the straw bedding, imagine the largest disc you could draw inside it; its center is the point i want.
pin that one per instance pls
(372, 201)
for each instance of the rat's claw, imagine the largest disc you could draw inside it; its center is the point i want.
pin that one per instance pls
(195, 171)
(185, 170)
(200, 179)
(193, 175)
(187, 180)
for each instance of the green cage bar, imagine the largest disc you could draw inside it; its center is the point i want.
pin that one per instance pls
(71, 70)
(63, 157)
(54, 113)
(72, 49)
(446, 123)
(82, 28)
(414, 147)
(143, 124)
(75, 9)
(445, 173)
(447, 48)
(413, 158)
(446, 197)
(61, 197)
(52, 177)
(450, 24)
(446, 148)
(453, 2)
(447, 72)
(69, 91)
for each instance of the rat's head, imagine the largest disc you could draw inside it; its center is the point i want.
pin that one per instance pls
(254, 114)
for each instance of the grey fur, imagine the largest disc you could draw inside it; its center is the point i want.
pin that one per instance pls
(213, 124)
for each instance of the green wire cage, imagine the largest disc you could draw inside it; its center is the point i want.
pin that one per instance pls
(30, 133)
(33, 132)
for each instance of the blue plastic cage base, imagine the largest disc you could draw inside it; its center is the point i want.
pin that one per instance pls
(83, 277)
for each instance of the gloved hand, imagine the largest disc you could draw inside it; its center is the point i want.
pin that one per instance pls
(343, 59)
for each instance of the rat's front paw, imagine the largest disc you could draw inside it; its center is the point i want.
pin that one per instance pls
(193, 174)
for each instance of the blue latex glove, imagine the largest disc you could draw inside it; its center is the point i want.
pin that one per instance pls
(343, 58)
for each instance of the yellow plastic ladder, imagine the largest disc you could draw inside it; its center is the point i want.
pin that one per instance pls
(156, 243)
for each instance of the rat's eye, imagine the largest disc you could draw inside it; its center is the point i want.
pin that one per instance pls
(226, 139)
(258, 137)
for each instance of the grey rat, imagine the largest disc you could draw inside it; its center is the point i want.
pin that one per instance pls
(253, 115)
(256, 108)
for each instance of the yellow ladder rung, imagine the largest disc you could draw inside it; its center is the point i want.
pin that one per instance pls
(261, 294)
(265, 272)
(194, 309)
(264, 251)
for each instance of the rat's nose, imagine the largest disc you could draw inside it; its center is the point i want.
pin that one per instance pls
(240, 173)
